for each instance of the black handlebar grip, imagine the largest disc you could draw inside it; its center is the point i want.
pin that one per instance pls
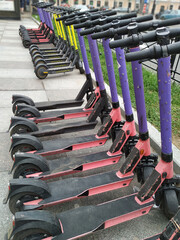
(144, 18)
(169, 22)
(106, 34)
(173, 48)
(82, 25)
(140, 55)
(87, 31)
(121, 43)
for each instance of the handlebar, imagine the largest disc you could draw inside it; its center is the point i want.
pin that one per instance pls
(140, 27)
(105, 19)
(112, 26)
(154, 52)
(77, 13)
(79, 22)
(152, 36)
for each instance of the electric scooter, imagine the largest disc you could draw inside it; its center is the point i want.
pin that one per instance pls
(171, 231)
(74, 223)
(29, 143)
(48, 36)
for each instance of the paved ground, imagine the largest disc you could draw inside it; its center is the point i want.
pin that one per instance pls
(17, 76)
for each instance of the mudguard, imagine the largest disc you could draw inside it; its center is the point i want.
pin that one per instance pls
(36, 186)
(37, 52)
(38, 219)
(29, 158)
(18, 97)
(24, 107)
(15, 121)
(36, 62)
(18, 139)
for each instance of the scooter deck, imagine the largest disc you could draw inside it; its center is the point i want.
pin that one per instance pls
(52, 115)
(84, 220)
(58, 104)
(49, 130)
(66, 145)
(67, 165)
(156, 237)
(73, 188)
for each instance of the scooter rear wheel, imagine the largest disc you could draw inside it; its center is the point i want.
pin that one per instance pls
(16, 201)
(19, 129)
(41, 71)
(25, 169)
(36, 57)
(31, 234)
(15, 103)
(26, 44)
(25, 114)
(22, 148)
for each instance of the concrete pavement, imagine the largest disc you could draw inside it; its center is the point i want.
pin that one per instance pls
(17, 76)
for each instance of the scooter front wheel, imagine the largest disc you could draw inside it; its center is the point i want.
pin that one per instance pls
(25, 169)
(22, 148)
(169, 203)
(146, 172)
(17, 200)
(29, 234)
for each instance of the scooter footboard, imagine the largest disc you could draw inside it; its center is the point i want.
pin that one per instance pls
(150, 186)
(84, 220)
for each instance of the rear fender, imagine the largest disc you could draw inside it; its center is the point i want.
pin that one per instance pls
(36, 186)
(17, 97)
(39, 162)
(36, 219)
(15, 121)
(24, 107)
(19, 139)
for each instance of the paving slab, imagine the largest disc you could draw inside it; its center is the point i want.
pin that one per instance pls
(6, 96)
(6, 216)
(16, 65)
(6, 162)
(6, 114)
(18, 73)
(21, 84)
(72, 80)
(61, 94)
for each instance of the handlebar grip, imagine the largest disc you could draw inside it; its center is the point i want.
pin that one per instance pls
(121, 43)
(127, 15)
(169, 22)
(83, 24)
(173, 48)
(75, 21)
(87, 31)
(144, 18)
(134, 56)
(108, 33)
